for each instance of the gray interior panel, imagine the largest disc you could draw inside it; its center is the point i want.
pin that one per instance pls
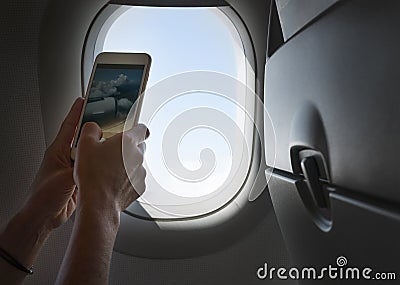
(365, 235)
(295, 14)
(332, 93)
(346, 66)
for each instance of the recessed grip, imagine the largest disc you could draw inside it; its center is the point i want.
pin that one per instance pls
(311, 173)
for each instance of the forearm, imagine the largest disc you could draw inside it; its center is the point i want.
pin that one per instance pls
(88, 256)
(22, 238)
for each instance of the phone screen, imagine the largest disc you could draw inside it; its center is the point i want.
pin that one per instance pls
(113, 92)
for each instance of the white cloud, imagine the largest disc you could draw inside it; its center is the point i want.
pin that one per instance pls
(108, 88)
(124, 103)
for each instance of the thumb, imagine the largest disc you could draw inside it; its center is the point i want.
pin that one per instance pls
(67, 130)
(91, 130)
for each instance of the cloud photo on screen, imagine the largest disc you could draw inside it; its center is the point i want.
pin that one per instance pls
(112, 95)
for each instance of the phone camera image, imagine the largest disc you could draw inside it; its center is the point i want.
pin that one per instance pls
(113, 92)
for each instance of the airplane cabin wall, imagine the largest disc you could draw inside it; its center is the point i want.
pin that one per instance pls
(29, 31)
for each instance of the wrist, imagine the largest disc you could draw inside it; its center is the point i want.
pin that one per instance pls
(39, 218)
(97, 199)
(23, 237)
(100, 214)
(30, 224)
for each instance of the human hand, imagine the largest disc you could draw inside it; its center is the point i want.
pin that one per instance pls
(53, 196)
(103, 181)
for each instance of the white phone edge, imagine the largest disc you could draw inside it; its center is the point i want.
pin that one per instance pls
(116, 58)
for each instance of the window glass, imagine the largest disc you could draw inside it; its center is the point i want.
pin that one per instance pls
(184, 41)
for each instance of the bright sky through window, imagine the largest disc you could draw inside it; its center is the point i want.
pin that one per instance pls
(182, 40)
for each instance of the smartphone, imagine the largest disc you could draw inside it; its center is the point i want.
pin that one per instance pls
(116, 85)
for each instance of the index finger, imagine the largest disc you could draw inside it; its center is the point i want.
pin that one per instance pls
(138, 133)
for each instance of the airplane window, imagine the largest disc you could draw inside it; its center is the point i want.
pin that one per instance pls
(188, 173)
